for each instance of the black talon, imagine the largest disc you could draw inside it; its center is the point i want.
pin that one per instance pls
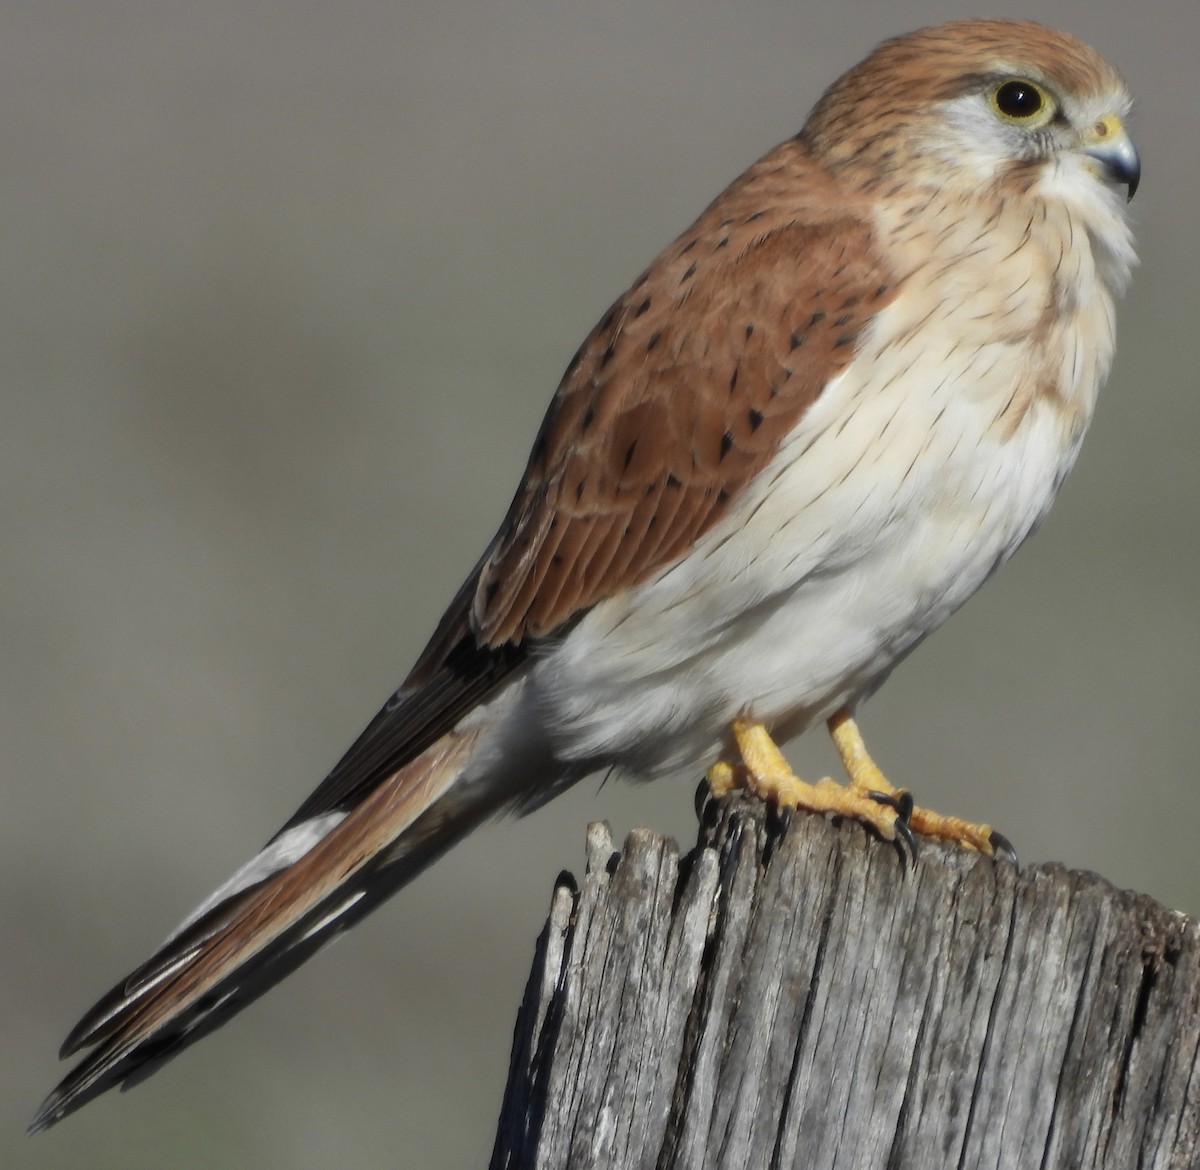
(902, 802)
(905, 839)
(1002, 846)
(778, 824)
(708, 806)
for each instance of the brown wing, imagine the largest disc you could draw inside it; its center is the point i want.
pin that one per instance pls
(675, 401)
(679, 396)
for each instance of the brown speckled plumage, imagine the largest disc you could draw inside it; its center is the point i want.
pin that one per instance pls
(683, 393)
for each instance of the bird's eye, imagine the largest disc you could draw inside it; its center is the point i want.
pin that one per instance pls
(1020, 100)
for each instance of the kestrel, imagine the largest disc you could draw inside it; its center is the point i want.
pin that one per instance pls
(809, 431)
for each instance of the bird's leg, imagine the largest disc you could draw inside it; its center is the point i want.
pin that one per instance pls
(765, 773)
(867, 780)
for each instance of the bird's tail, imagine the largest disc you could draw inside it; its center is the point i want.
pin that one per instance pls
(262, 926)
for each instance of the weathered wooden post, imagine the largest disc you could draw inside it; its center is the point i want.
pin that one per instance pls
(797, 1000)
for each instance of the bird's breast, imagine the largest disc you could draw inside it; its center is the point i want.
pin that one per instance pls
(917, 472)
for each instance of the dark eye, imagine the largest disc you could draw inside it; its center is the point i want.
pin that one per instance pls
(1019, 99)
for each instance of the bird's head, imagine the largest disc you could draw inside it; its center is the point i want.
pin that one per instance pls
(975, 104)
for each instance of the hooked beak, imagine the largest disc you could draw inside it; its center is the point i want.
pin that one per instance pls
(1109, 144)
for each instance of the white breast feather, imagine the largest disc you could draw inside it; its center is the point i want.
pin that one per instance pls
(903, 488)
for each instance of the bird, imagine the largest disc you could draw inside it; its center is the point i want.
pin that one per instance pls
(807, 433)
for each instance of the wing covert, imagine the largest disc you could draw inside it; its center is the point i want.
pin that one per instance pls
(681, 395)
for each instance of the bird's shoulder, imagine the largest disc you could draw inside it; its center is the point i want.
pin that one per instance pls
(682, 393)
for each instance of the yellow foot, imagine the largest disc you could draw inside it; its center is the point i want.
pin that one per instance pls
(766, 774)
(869, 798)
(866, 777)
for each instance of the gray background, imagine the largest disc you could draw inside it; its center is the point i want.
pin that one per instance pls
(286, 288)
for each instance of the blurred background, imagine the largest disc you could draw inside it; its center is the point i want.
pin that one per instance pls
(286, 288)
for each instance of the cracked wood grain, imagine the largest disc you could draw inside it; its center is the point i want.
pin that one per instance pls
(796, 1000)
